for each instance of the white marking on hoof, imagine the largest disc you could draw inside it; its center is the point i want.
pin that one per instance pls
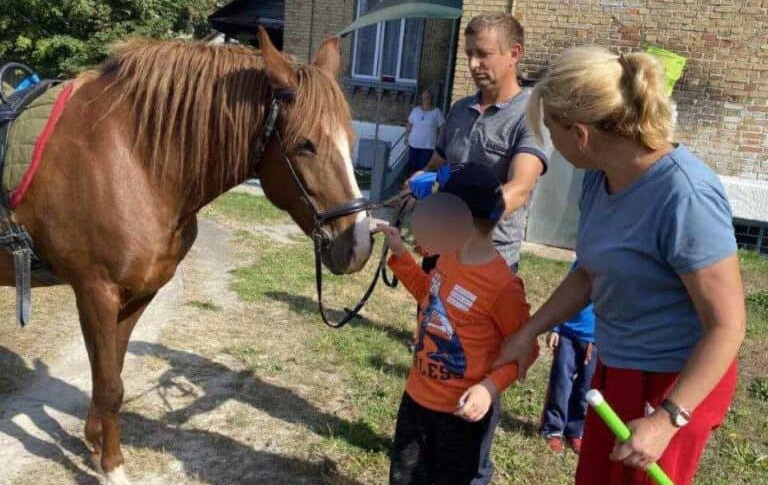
(117, 477)
(96, 462)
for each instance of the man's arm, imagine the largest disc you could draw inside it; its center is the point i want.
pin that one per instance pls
(434, 163)
(524, 171)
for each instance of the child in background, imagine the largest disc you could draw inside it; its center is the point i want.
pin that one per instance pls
(469, 303)
(573, 364)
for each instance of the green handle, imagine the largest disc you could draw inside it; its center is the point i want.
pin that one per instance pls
(596, 400)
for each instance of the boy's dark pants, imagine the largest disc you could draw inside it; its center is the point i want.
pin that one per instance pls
(434, 448)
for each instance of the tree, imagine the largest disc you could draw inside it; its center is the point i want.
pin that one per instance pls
(59, 38)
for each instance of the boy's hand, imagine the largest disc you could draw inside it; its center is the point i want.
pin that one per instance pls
(475, 402)
(553, 340)
(394, 241)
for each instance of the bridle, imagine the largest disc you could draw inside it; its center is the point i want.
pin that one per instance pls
(320, 219)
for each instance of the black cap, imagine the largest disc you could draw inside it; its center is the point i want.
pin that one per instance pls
(479, 188)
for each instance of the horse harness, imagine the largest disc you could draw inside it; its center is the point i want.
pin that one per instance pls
(14, 237)
(319, 236)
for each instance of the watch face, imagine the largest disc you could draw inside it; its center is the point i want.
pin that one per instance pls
(680, 420)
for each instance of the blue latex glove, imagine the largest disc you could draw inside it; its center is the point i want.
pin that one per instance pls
(30, 81)
(421, 186)
(443, 174)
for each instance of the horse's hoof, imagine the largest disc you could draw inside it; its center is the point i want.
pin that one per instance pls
(117, 477)
(96, 462)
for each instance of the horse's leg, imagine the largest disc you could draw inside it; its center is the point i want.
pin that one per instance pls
(127, 319)
(98, 305)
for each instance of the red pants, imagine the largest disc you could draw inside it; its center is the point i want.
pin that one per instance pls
(627, 392)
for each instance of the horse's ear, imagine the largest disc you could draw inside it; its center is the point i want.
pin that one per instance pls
(328, 57)
(279, 71)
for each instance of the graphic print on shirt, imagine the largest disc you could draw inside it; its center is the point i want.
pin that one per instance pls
(434, 324)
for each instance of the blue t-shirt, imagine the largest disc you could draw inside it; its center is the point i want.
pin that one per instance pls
(582, 325)
(634, 243)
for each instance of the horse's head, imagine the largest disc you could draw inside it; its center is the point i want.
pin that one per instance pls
(313, 135)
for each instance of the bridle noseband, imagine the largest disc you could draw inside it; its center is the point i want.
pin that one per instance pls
(320, 219)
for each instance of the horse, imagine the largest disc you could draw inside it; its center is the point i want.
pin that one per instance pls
(148, 138)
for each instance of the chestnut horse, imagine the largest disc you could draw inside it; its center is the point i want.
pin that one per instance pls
(158, 131)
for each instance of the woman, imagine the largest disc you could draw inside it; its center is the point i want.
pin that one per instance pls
(421, 132)
(657, 258)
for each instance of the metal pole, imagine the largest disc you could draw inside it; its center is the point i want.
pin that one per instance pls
(451, 65)
(379, 169)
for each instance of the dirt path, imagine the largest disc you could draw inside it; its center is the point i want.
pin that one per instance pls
(190, 416)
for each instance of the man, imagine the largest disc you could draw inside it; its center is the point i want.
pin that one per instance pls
(489, 127)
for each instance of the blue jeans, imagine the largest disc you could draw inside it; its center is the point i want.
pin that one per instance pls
(569, 381)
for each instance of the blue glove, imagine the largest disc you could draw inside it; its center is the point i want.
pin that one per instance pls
(30, 81)
(443, 174)
(421, 186)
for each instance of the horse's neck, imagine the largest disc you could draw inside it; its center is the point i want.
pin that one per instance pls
(226, 171)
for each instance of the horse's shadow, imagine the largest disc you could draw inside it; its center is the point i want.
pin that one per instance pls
(239, 463)
(221, 384)
(306, 306)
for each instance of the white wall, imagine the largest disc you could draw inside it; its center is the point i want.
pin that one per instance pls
(748, 198)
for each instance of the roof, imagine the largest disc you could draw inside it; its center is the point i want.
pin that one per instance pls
(246, 15)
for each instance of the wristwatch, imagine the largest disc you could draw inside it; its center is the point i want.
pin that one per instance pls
(679, 416)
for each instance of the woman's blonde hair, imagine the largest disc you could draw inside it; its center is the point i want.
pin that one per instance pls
(623, 95)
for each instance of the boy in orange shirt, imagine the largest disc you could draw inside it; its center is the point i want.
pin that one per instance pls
(469, 303)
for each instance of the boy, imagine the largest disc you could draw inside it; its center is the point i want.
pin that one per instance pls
(573, 365)
(469, 303)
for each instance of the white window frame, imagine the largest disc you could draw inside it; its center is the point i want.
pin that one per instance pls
(378, 57)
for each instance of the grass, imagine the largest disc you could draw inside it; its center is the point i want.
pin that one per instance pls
(245, 208)
(372, 358)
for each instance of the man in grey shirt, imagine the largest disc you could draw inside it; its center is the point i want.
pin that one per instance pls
(490, 127)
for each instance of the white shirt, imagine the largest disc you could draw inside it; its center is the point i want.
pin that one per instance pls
(424, 125)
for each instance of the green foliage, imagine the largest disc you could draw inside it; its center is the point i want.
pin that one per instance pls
(59, 38)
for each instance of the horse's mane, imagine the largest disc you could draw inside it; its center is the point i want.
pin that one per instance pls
(195, 104)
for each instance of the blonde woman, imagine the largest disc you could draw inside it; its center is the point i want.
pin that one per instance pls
(657, 258)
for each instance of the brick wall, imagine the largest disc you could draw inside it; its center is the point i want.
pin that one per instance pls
(722, 98)
(330, 16)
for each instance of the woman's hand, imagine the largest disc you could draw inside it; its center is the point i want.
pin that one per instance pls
(518, 348)
(650, 437)
(394, 240)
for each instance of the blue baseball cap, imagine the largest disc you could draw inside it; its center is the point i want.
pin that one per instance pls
(479, 188)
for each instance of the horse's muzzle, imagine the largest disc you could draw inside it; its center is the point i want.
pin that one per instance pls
(348, 251)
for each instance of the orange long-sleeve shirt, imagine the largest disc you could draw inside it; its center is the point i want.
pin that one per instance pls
(466, 312)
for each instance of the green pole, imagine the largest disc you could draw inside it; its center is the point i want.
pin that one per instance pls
(597, 401)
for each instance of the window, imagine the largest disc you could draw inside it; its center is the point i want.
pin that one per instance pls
(751, 235)
(387, 49)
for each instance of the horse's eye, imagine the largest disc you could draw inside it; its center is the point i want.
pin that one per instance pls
(306, 147)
